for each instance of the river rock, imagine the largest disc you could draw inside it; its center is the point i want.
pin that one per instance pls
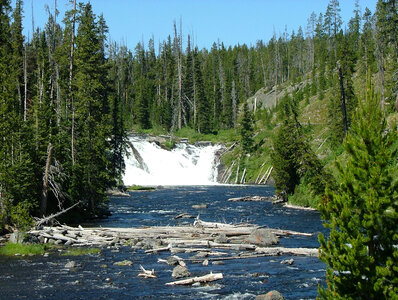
(272, 295)
(287, 261)
(71, 265)
(123, 263)
(262, 237)
(180, 272)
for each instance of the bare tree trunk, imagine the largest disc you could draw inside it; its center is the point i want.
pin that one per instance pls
(343, 100)
(25, 78)
(178, 45)
(263, 68)
(234, 104)
(72, 48)
(43, 203)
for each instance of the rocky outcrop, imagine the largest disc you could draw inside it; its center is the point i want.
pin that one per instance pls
(262, 237)
(272, 295)
(180, 272)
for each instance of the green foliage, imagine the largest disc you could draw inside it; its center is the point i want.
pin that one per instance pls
(304, 196)
(81, 251)
(11, 249)
(20, 216)
(246, 130)
(292, 157)
(362, 214)
(140, 188)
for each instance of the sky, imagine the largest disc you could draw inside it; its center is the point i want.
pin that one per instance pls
(229, 21)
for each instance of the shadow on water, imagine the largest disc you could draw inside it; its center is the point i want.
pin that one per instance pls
(95, 276)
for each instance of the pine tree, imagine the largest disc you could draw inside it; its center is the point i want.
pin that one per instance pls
(362, 214)
(203, 106)
(91, 173)
(247, 130)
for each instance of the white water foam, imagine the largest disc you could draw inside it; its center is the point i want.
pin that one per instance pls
(184, 165)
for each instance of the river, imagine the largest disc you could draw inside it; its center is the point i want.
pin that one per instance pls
(96, 277)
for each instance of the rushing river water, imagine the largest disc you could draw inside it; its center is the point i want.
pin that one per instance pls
(96, 277)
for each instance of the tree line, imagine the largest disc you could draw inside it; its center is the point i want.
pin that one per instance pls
(62, 126)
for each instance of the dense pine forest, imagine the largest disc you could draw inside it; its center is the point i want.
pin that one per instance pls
(315, 106)
(69, 95)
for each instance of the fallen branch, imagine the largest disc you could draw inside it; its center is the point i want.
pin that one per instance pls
(50, 217)
(206, 278)
(147, 273)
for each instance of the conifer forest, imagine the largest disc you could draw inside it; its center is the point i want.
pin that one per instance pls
(69, 97)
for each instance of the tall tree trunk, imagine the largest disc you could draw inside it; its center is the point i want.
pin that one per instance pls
(72, 48)
(234, 105)
(44, 195)
(25, 78)
(343, 100)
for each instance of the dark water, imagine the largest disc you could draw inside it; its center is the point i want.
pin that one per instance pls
(46, 277)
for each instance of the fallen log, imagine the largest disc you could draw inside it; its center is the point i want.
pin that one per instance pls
(50, 217)
(158, 249)
(206, 278)
(248, 198)
(274, 251)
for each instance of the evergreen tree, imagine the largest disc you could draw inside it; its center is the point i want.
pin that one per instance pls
(91, 173)
(361, 253)
(247, 130)
(204, 110)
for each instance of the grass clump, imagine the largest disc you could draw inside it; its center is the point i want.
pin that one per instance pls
(80, 251)
(140, 188)
(11, 249)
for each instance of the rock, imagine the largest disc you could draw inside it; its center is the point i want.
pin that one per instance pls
(173, 260)
(17, 237)
(222, 239)
(196, 284)
(149, 243)
(201, 254)
(71, 265)
(123, 263)
(180, 272)
(217, 262)
(272, 295)
(205, 262)
(287, 261)
(199, 206)
(262, 237)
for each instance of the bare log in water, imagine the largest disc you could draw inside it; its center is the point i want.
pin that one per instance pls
(202, 279)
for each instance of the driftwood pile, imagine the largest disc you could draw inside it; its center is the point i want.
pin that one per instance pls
(207, 241)
(202, 236)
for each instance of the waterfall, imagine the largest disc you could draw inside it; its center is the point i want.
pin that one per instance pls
(149, 164)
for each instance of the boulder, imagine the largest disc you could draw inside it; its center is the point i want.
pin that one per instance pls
(287, 261)
(180, 272)
(70, 265)
(272, 295)
(262, 237)
(123, 263)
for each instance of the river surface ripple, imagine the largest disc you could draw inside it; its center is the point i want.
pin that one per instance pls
(47, 278)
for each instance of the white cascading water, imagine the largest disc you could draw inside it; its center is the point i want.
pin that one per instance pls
(149, 164)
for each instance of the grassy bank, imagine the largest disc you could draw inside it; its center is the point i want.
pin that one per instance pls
(11, 249)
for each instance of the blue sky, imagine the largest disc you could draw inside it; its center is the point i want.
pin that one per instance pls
(231, 21)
